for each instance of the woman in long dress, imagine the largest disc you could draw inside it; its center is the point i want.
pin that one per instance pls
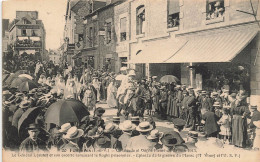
(89, 98)
(71, 90)
(96, 85)
(239, 124)
(111, 94)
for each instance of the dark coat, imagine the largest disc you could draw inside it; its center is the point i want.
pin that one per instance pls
(28, 145)
(207, 103)
(17, 116)
(211, 125)
(255, 117)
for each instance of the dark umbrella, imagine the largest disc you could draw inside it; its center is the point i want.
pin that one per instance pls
(27, 86)
(169, 79)
(64, 111)
(15, 75)
(28, 117)
(18, 81)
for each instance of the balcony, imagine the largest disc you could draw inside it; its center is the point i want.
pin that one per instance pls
(27, 42)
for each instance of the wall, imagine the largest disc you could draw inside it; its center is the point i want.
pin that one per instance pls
(122, 47)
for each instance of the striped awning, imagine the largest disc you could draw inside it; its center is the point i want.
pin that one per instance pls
(221, 47)
(158, 52)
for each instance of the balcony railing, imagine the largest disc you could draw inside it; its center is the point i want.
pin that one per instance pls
(28, 43)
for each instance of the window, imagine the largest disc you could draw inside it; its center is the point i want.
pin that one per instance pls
(80, 37)
(90, 37)
(123, 29)
(215, 9)
(140, 20)
(25, 21)
(108, 32)
(173, 12)
(24, 32)
(33, 33)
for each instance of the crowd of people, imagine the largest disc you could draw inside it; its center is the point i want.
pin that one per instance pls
(223, 117)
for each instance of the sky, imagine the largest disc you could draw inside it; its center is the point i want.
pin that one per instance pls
(51, 12)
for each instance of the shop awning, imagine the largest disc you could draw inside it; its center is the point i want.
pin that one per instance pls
(158, 52)
(213, 48)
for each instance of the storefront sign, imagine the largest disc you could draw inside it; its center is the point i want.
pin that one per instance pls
(28, 27)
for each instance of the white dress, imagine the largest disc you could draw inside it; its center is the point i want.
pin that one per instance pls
(225, 125)
(96, 85)
(111, 95)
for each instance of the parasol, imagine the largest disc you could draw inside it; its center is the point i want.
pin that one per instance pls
(169, 79)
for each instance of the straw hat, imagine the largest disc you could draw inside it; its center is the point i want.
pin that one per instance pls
(65, 127)
(155, 134)
(127, 126)
(110, 128)
(73, 133)
(216, 104)
(144, 127)
(131, 73)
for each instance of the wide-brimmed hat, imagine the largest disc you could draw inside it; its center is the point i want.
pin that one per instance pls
(254, 107)
(100, 111)
(203, 92)
(116, 119)
(33, 127)
(135, 118)
(178, 122)
(65, 127)
(233, 95)
(162, 87)
(131, 73)
(214, 93)
(110, 128)
(168, 140)
(127, 126)
(155, 134)
(24, 104)
(154, 77)
(19, 94)
(216, 104)
(102, 142)
(73, 133)
(144, 127)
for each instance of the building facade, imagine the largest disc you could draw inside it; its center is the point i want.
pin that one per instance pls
(27, 34)
(55, 56)
(201, 42)
(122, 30)
(100, 39)
(5, 36)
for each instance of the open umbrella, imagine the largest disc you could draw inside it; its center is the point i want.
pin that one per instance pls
(169, 79)
(27, 86)
(26, 76)
(15, 75)
(28, 117)
(18, 81)
(64, 111)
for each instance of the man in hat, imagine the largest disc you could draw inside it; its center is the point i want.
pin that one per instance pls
(206, 101)
(178, 125)
(111, 131)
(184, 105)
(216, 98)
(99, 121)
(255, 116)
(116, 120)
(136, 121)
(33, 143)
(127, 127)
(217, 109)
(102, 142)
(192, 107)
(154, 138)
(140, 141)
(163, 102)
(154, 80)
(72, 136)
(192, 139)
(210, 120)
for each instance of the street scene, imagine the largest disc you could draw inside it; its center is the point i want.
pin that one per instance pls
(164, 75)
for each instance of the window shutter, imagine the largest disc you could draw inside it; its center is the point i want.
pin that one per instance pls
(173, 6)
